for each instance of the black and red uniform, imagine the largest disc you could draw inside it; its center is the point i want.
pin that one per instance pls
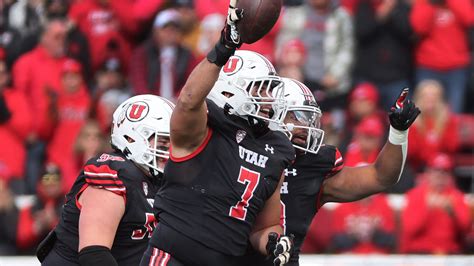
(121, 176)
(300, 197)
(210, 199)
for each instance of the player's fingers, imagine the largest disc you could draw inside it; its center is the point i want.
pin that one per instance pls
(233, 3)
(235, 14)
(283, 245)
(282, 259)
(407, 108)
(401, 98)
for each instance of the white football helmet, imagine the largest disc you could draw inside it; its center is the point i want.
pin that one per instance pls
(134, 122)
(302, 112)
(248, 87)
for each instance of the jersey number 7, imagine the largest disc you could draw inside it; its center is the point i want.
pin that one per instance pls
(250, 179)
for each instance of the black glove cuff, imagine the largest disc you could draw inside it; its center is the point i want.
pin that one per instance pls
(96, 256)
(220, 54)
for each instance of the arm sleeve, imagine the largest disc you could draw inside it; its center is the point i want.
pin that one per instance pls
(96, 256)
(463, 10)
(21, 119)
(399, 22)
(365, 23)
(422, 17)
(461, 214)
(340, 68)
(21, 75)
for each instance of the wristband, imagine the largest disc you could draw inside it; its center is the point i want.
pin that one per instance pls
(220, 54)
(397, 137)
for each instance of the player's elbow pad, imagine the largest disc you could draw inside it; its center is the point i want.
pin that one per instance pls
(96, 256)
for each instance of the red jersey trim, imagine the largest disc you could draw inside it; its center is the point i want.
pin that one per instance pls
(78, 205)
(119, 191)
(338, 165)
(194, 153)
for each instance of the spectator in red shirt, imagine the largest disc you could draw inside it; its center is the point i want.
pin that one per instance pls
(35, 221)
(135, 16)
(363, 102)
(15, 124)
(366, 143)
(37, 74)
(436, 217)
(442, 51)
(98, 21)
(161, 65)
(72, 109)
(435, 130)
(364, 227)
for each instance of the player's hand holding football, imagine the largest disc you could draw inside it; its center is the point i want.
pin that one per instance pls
(230, 36)
(403, 112)
(280, 247)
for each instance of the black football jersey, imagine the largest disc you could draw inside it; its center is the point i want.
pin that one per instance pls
(214, 195)
(300, 194)
(301, 190)
(119, 175)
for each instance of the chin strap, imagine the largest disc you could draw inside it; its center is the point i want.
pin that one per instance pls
(398, 137)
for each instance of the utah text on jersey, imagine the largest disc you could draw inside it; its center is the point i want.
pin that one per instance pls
(252, 157)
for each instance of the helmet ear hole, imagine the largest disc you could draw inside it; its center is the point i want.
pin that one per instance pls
(129, 139)
(227, 94)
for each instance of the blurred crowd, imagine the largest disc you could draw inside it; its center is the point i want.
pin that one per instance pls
(65, 65)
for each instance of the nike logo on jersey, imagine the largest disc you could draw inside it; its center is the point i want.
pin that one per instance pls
(252, 157)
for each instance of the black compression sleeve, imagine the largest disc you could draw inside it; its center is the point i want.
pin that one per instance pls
(96, 256)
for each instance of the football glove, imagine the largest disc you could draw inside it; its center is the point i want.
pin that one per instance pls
(279, 247)
(403, 112)
(230, 36)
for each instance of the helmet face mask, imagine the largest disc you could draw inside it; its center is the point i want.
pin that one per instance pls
(302, 117)
(140, 129)
(248, 87)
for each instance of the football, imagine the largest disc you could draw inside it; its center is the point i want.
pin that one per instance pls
(259, 18)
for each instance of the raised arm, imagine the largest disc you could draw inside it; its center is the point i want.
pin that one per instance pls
(189, 118)
(354, 183)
